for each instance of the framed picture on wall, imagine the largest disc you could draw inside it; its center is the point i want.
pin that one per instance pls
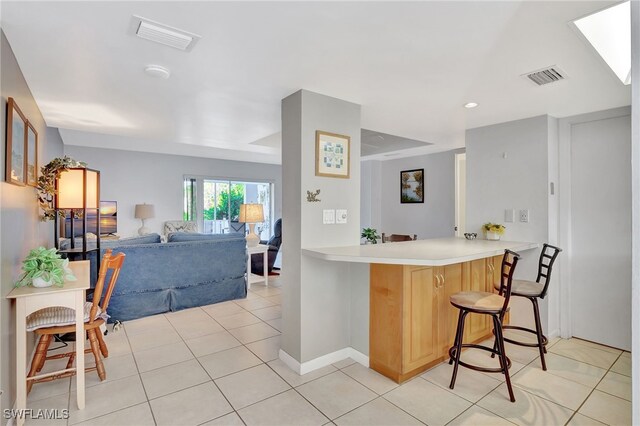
(32, 155)
(16, 158)
(412, 186)
(333, 155)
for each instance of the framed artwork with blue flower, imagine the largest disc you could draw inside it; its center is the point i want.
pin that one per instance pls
(332, 155)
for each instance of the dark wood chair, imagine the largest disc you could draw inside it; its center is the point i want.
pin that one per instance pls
(58, 320)
(397, 238)
(494, 305)
(534, 290)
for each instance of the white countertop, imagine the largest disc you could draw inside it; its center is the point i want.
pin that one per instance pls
(435, 252)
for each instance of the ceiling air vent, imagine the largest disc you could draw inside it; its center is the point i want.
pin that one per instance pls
(163, 34)
(546, 75)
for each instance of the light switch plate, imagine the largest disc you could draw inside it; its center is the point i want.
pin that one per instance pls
(524, 215)
(509, 215)
(341, 216)
(328, 217)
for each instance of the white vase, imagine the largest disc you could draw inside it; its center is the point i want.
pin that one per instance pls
(41, 282)
(493, 236)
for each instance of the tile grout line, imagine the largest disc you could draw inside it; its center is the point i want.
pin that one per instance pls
(592, 391)
(206, 372)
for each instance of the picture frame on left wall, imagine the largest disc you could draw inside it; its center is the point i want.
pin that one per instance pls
(16, 145)
(32, 155)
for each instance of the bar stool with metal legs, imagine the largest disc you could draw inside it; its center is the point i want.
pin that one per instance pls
(495, 305)
(534, 290)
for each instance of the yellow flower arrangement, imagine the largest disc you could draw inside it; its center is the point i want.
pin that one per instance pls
(493, 227)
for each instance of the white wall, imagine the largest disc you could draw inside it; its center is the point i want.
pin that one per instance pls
(520, 181)
(132, 178)
(20, 227)
(635, 177)
(317, 294)
(381, 207)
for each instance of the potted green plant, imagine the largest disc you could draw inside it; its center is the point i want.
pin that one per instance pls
(371, 235)
(44, 268)
(493, 230)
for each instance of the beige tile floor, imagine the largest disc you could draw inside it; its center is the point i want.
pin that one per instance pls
(218, 365)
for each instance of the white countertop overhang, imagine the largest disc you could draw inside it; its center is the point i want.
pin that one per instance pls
(433, 252)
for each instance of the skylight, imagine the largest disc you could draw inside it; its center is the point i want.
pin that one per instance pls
(609, 32)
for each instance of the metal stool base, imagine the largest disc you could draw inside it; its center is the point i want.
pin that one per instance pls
(545, 341)
(452, 356)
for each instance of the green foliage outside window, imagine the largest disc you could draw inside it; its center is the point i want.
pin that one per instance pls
(221, 211)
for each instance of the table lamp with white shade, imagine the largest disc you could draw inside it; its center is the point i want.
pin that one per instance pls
(251, 214)
(144, 211)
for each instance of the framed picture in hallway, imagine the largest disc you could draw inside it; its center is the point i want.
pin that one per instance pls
(32, 155)
(16, 156)
(412, 186)
(332, 155)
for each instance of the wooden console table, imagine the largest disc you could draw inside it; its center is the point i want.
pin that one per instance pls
(30, 299)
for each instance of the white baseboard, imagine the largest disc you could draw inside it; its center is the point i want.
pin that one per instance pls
(323, 361)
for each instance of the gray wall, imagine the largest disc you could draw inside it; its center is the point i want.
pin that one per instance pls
(508, 167)
(370, 194)
(381, 207)
(132, 178)
(316, 303)
(20, 227)
(435, 218)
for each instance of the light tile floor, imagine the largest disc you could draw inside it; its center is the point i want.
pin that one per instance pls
(219, 365)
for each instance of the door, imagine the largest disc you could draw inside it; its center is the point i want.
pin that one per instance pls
(476, 325)
(215, 204)
(601, 231)
(420, 318)
(461, 193)
(451, 276)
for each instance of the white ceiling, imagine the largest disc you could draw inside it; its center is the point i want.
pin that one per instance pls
(411, 65)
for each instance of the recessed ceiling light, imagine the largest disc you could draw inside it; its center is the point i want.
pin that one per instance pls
(609, 32)
(157, 71)
(470, 105)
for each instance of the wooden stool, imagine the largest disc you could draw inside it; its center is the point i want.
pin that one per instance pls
(495, 305)
(47, 322)
(533, 290)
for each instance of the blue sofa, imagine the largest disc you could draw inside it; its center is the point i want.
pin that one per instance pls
(189, 270)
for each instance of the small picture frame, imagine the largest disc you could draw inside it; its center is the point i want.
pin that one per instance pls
(16, 153)
(32, 155)
(412, 186)
(333, 155)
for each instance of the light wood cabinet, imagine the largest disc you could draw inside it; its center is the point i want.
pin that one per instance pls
(412, 323)
(421, 306)
(476, 278)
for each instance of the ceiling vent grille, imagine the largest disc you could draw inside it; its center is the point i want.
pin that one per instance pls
(163, 34)
(546, 75)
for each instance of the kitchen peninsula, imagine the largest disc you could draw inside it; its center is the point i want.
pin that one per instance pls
(411, 322)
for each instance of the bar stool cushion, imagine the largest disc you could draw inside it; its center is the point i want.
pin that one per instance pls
(56, 316)
(524, 288)
(478, 301)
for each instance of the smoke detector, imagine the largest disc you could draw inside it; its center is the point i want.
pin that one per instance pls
(157, 71)
(163, 34)
(546, 75)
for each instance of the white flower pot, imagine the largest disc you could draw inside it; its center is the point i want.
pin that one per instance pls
(40, 282)
(493, 236)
